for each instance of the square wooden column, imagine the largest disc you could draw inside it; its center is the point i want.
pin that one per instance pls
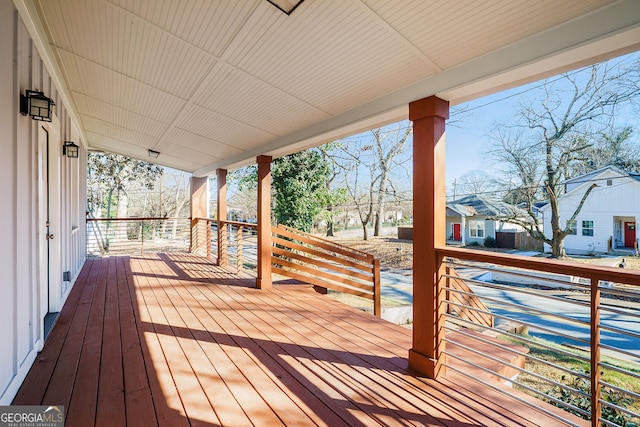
(429, 232)
(199, 209)
(221, 178)
(263, 281)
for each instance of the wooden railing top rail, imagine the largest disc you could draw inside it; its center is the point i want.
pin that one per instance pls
(139, 219)
(239, 224)
(588, 271)
(327, 241)
(235, 223)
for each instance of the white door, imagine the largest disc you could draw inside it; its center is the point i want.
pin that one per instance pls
(48, 220)
(43, 219)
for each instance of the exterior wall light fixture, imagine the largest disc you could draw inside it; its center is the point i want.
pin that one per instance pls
(154, 154)
(70, 149)
(36, 105)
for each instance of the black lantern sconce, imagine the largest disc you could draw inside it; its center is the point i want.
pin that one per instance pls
(36, 105)
(70, 150)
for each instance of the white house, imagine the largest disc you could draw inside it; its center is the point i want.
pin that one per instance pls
(473, 218)
(609, 218)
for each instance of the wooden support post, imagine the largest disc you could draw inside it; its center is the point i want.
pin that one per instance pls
(208, 237)
(142, 237)
(223, 251)
(199, 209)
(377, 306)
(263, 281)
(447, 285)
(429, 232)
(596, 406)
(221, 175)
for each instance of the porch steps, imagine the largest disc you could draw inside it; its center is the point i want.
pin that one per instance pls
(462, 346)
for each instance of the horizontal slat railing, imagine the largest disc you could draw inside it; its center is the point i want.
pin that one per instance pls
(577, 323)
(124, 236)
(326, 264)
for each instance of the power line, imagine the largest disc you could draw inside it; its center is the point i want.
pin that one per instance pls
(542, 186)
(544, 82)
(505, 191)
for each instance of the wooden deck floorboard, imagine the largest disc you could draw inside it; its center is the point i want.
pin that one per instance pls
(172, 340)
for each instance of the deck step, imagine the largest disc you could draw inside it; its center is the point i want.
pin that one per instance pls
(484, 344)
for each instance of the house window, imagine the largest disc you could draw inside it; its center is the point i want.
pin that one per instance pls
(476, 228)
(609, 182)
(573, 227)
(587, 228)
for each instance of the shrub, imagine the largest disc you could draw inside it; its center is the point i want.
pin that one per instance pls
(489, 242)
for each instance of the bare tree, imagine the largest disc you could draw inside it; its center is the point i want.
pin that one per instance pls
(360, 181)
(617, 149)
(370, 168)
(553, 135)
(333, 196)
(389, 145)
(177, 187)
(475, 182)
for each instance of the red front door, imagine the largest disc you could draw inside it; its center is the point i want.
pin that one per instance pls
(456, 232)
(629, 234)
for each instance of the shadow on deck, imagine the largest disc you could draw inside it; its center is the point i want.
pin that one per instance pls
(172, 340)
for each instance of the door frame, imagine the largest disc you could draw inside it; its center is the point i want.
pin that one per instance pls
(624, 235)
(49, 251)
(459, 226)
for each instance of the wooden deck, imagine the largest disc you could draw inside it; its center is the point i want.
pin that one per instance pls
(171, 340)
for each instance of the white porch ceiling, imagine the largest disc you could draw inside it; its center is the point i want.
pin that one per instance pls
(213, 83)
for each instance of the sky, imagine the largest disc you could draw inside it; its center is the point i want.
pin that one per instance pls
(468, 139)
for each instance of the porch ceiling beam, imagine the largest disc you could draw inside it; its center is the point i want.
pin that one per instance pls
(608, 32)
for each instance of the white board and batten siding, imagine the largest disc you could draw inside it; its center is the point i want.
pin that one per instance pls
(21, 296)
(616, 196)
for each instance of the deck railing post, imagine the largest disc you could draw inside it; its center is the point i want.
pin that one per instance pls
(596, 406)
(239, 249)
(208, 236)
(222, 244)
(376, 288)
(447, 285)
(142, 237)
